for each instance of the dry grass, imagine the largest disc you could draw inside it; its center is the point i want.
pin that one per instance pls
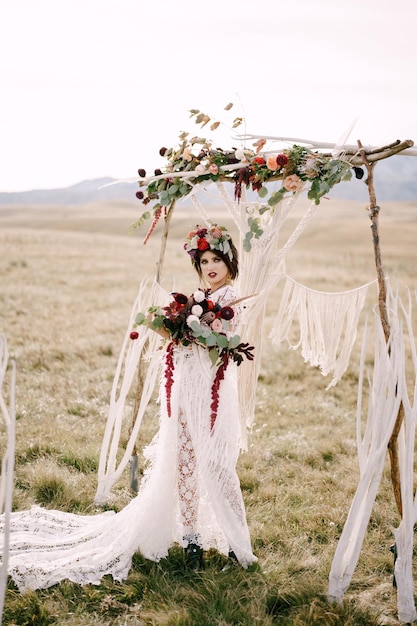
(69, 278)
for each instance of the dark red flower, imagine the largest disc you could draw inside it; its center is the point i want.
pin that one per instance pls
(181, 298)
(282, 160)
(140, 195)
(162, 151)
(134, 335)
(158, 172)
(202, 244)
(142, 172)
(227, 313)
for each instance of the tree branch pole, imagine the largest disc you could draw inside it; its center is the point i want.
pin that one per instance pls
(167, 220)
(383, 313)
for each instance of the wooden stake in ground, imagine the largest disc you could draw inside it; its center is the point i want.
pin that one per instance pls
(382, 304)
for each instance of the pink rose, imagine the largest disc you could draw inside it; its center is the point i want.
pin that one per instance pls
(292, 182)
(216, 325)
(272, 164)
(215, 232)
(213, 169)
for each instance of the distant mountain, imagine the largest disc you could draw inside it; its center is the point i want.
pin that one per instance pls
(395, 180)
(86, 191)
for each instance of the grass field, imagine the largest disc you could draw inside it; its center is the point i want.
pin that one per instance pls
(69, 279)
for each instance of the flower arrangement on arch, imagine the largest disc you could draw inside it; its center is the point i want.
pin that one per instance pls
(198, 159)
(197, 319)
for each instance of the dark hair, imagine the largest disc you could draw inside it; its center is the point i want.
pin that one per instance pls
(232, 265)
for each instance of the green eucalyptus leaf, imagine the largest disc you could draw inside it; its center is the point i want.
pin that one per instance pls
(222, 341)
(140, 318)
(214, 356)
(196, 328)
(211, 340)
(234, 341)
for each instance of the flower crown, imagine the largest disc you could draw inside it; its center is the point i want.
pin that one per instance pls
(212, 238)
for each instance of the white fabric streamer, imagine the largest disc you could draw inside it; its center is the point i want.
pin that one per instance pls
(7, 464)
(404, 534)
(132, 352)
(388, 391)
(384, 403)
(327, 325)
(260, 271)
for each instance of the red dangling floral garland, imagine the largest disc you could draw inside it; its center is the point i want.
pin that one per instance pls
(169, 381)
(169, 374)
(215, 390)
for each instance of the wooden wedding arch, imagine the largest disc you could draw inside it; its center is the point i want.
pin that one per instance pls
(391, 421)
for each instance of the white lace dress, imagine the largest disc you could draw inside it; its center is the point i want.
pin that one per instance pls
(190, 490)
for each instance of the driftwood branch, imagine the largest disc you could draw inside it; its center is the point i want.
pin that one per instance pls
(348, 149)
(377, 154)
(382, 304)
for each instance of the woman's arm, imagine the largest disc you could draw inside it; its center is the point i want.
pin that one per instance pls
(162, 331)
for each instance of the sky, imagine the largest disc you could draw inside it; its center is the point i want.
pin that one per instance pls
(93, 88)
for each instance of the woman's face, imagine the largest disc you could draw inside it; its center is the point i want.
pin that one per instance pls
(213, 270)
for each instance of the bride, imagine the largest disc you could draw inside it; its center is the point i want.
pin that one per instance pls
(190, 493)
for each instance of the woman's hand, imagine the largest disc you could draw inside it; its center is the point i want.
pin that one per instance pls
(162, 331)
(208, 317)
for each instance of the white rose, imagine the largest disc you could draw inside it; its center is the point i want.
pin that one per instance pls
(191, 319)
(197, 310)
(201, 169)
(199, 295)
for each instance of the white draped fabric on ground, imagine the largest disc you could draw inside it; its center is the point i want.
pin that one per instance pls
(388, 390)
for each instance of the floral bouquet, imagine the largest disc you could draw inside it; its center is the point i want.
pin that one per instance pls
(197, 319)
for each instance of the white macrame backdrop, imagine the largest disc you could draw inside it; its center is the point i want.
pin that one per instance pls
(327, 325)
(7, 463)
(145, 347)
(260, 271)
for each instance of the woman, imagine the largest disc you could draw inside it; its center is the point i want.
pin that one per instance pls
(190, 493)
(208, 510)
